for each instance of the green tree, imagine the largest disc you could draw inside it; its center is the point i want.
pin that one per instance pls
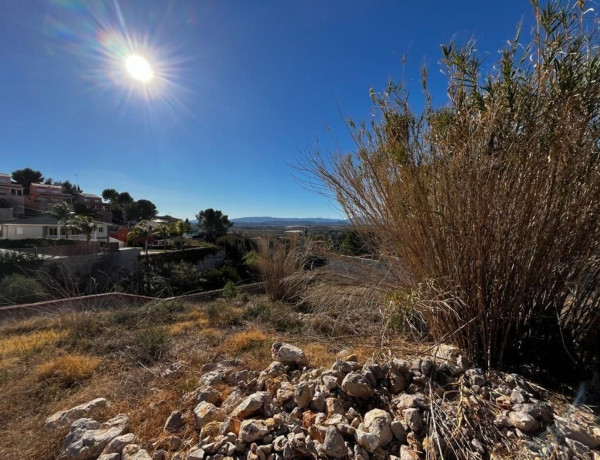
(110, 195)
(62, 212)
(124, 199)
(69, 188)
(145, 209)
(141, 231)
(214, 223)
(26, 177)
(83, 224)
(82, 208)
(163, 231)
(179, 229)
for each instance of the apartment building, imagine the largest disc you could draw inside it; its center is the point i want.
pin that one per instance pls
(13, 194)
(42, 196)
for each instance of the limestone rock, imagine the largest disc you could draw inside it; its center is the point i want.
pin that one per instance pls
(134, 452)
(117, 444)
(408, 401)
(303, 394)
(208, 394)
(87, 438)
(398, 430)
(110, 457)
(175, 422)
(356, 385)
(523, 421)
(233, 400)
(413, 419)
(576, 432)
(378, 422)
(206, 412)
(288, 354)
(196, 454)
(254, 403)
(252, 430)
(334, 445)
(64, 418)
(368, 441)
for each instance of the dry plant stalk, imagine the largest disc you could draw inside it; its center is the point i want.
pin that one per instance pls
(489, 208)
(277, 259)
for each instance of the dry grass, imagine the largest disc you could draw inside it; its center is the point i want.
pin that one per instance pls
(276, 261)
(245, 341)
(55, 362)
(67, 370)
(26, 344)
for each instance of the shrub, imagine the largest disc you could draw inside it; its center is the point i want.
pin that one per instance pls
(67, 370)
(18, 262)
(281, 317)
(18, 288)
(152, 344)
(217, 278)
(222, 314)
(276, 260)
(83, 328)
(487, 209)
(230, 290)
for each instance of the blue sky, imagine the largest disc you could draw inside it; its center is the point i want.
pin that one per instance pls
(242, 90)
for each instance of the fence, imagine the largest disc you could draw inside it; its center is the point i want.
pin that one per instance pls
(108, 301)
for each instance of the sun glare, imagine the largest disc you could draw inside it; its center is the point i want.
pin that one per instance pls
(139, 68)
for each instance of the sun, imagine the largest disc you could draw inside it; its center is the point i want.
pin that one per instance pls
(139, 68)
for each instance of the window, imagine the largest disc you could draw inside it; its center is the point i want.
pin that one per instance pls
(51, 231)
(19, 230)
(13, 191)
(100, 229)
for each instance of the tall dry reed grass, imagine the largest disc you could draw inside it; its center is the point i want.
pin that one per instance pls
(488, 209)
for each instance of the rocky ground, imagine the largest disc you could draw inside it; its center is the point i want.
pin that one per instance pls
(435, 406)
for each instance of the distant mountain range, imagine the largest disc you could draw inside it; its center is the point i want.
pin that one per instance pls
(286, 221)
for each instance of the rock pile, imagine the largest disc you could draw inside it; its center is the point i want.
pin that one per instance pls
(434, 406)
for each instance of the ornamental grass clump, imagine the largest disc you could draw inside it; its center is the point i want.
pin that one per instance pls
(487, 209)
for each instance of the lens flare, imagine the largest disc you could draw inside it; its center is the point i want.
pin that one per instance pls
(139, 68)
(126, 55)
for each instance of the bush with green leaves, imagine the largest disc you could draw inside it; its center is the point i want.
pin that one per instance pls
(487, 209)
(230, 290)
(18, 262)
(17, 288)
(152, 344)
(217, 278)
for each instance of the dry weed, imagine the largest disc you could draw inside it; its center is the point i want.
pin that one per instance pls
(67, 370)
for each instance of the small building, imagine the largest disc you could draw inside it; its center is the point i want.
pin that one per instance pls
(49, 228)
(13, 193)
(42, 196)
(100, 210)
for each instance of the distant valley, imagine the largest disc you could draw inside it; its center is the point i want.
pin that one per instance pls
(266, 221)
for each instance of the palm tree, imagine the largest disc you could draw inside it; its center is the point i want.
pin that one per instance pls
(179, 228)
(83, 224)
(141, 230)
(62, 212)
(163, 232)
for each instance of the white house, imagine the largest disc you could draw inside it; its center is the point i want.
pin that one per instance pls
(47, 227)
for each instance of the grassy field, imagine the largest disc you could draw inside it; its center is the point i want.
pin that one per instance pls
(54, 362)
